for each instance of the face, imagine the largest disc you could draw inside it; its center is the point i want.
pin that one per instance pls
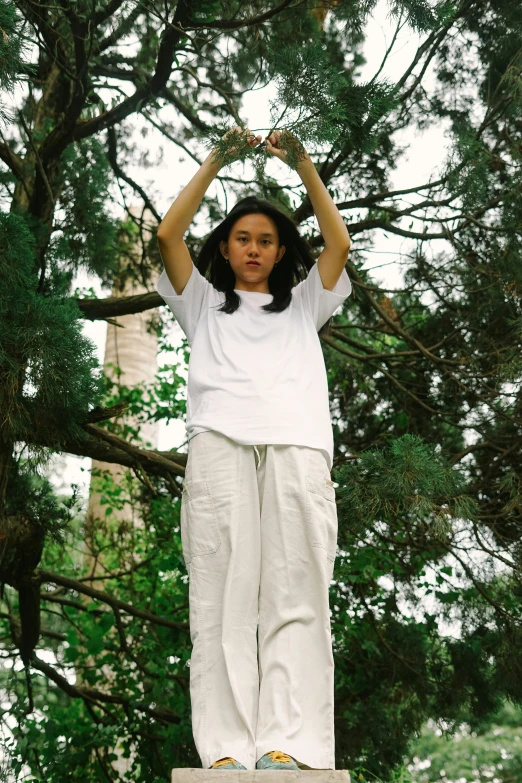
(253, 238)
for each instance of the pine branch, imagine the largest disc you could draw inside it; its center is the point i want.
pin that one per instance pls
(94, 696)
(114, 306)
(49, 38)
(305, 210)
(134, 103)
(12, 160)
(371, 354)
(55, 599)
(38, 159)
(41, 575)
(392, 652)
(102, 414)
(468, 220)
(151, 459)
(430, 40)
(107, 447)
(105, 12)
(373, 199)
(111, 307)
(480, 588)
(113, 72)
(397, 383)
(112, 156)
(236, 24)
(82, 33)
(184, 110)
(366, 225)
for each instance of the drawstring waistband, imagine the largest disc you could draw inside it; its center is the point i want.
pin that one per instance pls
(258, 457)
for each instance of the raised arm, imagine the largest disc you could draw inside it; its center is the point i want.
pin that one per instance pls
(173, 250)
(333, 259)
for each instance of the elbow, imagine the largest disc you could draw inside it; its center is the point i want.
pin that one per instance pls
(343, 243)
(164, 237)
(161, 235)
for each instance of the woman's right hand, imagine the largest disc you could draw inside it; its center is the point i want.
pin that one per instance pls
(252, 140)
(242, 134)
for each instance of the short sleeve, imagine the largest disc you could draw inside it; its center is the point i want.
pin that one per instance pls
(190, 304)
(318, 300)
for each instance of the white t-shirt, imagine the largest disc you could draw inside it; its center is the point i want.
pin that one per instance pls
(257, 377)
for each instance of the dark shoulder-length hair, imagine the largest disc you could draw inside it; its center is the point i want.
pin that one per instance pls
(293, 267)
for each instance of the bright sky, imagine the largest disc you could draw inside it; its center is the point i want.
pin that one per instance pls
(164, 181)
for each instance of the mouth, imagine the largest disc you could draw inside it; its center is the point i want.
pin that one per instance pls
(252, 263)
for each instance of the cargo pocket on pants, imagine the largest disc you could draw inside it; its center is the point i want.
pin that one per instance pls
(199, 528)
(321, 516)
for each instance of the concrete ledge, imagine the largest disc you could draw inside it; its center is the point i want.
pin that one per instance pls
(196, 775)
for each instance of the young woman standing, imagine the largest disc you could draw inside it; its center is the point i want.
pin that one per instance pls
(258, 512)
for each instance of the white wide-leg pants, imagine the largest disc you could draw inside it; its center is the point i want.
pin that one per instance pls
(259, 537)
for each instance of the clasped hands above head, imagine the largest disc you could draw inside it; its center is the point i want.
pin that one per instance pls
(272, 141)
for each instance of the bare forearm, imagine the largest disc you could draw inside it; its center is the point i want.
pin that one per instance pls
(182, 211)
(333, 228)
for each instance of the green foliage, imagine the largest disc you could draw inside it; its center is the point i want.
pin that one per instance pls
(424, 376)
(48, 366)
(151, 676)
(209, 10)
(90, 235)
(492, 752)
(164, 398)
(321, 102)
(12, 49)
(408, 478)
(395, 668)
(316, 103)
(421, 15)
(33, 497)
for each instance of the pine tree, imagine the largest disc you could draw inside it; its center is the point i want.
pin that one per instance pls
(424, 380)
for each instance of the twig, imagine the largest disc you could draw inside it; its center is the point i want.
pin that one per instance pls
(112, 601)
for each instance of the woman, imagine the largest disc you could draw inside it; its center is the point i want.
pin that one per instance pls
(258, 513)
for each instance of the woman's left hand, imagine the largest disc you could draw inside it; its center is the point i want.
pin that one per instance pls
(273, 145)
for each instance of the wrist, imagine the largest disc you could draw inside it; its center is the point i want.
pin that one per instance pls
(305, 166)
(210, 163)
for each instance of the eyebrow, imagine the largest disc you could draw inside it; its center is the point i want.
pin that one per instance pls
(242, 231)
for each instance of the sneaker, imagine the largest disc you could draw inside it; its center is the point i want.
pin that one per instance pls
(276, 760)
(227, 763)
